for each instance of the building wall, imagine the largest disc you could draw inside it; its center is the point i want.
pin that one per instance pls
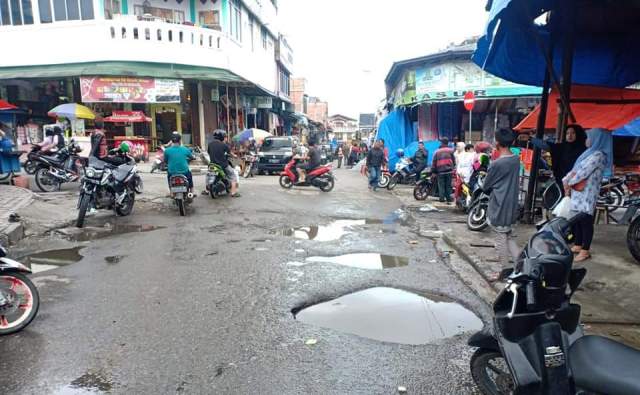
(297, 93)
(318, 111)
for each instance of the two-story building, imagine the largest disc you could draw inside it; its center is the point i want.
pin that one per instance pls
(190, 65)
(344, 128)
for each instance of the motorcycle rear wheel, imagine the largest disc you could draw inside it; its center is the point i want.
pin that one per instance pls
(330, 184)
(633, 238)
(483, 370)
(181, 207)
(384, 180)
(393, 182)
(30, 167)
(477, 217)
(82, 210)
(45, 181)
(19, 280)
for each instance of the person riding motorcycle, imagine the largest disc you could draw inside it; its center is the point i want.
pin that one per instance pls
(177, 157)
(53, 141)
(219, 153)
(314, 160)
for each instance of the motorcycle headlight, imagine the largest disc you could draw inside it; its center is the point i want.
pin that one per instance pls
(90, 172)
(260, 154)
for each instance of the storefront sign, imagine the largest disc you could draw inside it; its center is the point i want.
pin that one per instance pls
(450, 81)
(129, 90)
(263, 102)
(405, 91)
(215, 94)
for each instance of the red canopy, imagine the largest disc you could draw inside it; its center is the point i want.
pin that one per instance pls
(604, 114)
(127, 117)
(5, 105)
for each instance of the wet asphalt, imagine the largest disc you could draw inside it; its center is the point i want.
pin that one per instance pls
(202, 304)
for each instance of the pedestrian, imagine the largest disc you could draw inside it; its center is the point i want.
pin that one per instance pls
(460, 146)
(375, 160)
(443, 165)
(99, 147)
(502, 186)
(582, 184)
(354, 153)
(464, 163)
(340, 155)
(420, 158)
(564, 154)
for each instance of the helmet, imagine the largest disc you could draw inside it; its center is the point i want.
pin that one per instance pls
(176, 137)
(124, 147)
(400, 153)
(219, 135)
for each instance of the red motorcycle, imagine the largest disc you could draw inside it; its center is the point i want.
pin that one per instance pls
(320, 177)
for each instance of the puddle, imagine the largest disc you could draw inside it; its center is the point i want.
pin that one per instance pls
(112, 260)
(392, 315)
(88, 383)
(333, 231)
(55, 258)
(88, 233)
(370, 261)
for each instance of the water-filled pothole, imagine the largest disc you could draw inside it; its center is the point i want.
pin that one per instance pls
(87, 234)
(51, 259)
(392, 315)
(370, 261)
(332, 231)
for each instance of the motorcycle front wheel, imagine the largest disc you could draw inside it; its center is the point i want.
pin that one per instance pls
(23, 302)
(127, 206)
(384, 180)
(45, 181)
(393, 181)
(491, 373)
(422, 191)
(286, 182)
(477, 217)
(82, 209)
(633, 238)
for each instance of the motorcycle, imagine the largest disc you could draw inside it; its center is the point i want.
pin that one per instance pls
(537, 344)
(465, 197)
(54, 170)
(320, 177)
(182, 197)
(424, 186)
(216, 181)
(100, 184)
(250, 165)
(159, 163)
(385, 176)
(477, 213)
(404, 174)
(19, 298)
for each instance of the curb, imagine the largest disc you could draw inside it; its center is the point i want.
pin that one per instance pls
(12, 233)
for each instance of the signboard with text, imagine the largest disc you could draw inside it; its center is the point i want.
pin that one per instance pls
(450, 81)
(129, 90)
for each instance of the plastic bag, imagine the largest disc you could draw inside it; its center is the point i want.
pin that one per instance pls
(563, 209)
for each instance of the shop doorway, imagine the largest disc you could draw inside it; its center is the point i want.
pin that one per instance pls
(166, 118)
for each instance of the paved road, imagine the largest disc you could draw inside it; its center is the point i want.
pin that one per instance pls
(203, 304)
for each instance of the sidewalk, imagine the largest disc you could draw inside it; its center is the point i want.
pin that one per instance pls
(609, 295)
(12, 199)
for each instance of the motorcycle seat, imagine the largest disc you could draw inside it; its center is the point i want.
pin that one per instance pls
(605, 366)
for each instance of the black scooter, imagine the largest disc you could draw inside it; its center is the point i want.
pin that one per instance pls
(537, 345)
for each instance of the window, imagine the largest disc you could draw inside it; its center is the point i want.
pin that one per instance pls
(236, 21)
(45, 11)
(73, 10)
(180, 37)
(170, 35)
(210, 19)
(86, 9)
(111, 8)
(124, 32)
(263, 34)
(165, 14)
(16, 12)
(201, 40)
(251, 34)
(147, 33)
(210, 41)
(135, 33)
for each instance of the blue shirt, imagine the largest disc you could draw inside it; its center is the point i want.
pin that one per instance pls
(177, 158)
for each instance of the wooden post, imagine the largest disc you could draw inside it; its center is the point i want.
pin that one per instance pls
(237, 112)
(228, 104)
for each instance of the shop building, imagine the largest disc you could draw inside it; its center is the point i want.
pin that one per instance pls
(191, 66)
(429, 90)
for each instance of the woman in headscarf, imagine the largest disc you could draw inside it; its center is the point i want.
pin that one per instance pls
(564, 154)
(582, 183)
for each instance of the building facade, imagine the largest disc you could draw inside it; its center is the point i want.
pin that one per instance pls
(344, 128)
(318, 110)
(191, 66)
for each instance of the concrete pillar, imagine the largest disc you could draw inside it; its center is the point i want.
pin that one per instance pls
(129, 128)
(201, 115)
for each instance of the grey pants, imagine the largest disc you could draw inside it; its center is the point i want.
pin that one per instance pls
(507, 248)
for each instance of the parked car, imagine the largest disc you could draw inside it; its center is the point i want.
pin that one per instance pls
(274, 154)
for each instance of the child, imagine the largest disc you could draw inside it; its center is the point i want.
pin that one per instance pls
(502, 184)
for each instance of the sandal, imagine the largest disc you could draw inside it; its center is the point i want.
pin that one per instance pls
(576, 249)
(235, 195)
(581, 257)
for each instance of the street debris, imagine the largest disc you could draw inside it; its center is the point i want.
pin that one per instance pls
(402, 390)
(428, 208)
(311, 342)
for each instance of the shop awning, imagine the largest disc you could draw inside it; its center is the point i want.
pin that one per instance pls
(593, 107)
(127, 117)
(116, 68)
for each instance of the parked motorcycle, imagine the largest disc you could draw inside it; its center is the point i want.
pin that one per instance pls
(385, 176)
(477, 213)
(159, 163)
(465, 197)
(404, 174)
(19, 298)
(182, 197)
(54, 170)
(216, 181)
(424, 186)
(612, 193)
(537, 344)
(250, 165)
(320, 177)
(100, 186)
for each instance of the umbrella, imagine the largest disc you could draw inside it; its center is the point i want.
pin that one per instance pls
(71, 111)
(605, 50)
(256, 134)
(5, 105)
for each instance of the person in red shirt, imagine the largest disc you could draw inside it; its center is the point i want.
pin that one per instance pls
(444, 163)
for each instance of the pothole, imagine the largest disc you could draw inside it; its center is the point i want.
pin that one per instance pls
(51, 259)
(93, 233)
(392, 315)
(112, 260)
(332, 231)
(371, 261)
(88, 383)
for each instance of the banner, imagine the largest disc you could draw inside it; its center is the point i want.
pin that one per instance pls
(129, 90)
(450, 81)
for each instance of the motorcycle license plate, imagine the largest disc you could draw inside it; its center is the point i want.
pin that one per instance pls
(178, 189)
(274, 160)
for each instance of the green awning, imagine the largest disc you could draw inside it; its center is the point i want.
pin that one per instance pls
(121, 69)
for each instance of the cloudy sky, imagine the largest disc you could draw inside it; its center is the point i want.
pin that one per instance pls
(345, 47)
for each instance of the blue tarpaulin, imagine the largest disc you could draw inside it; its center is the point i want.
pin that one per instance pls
(606, 54)
(632, 129)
